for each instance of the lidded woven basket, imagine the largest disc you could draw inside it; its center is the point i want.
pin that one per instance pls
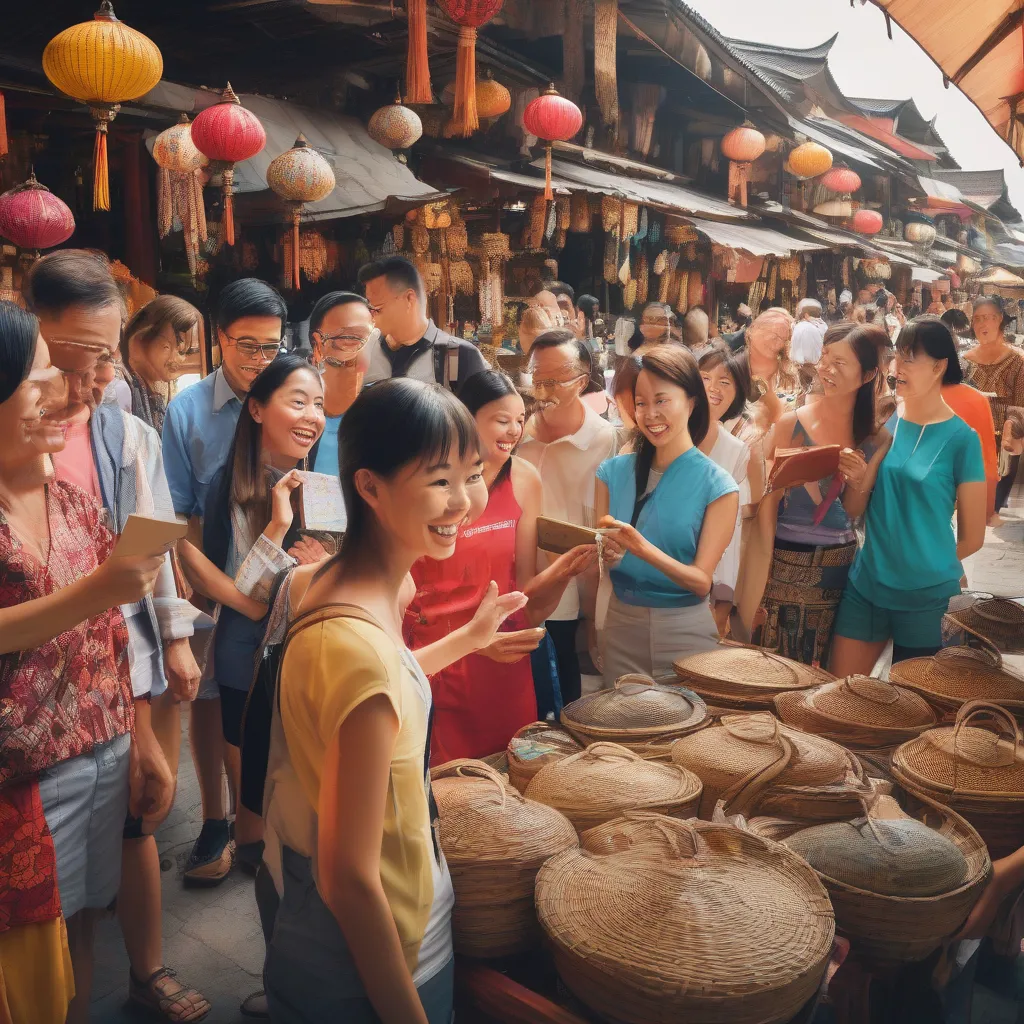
(996, 619)
(660, 920)
(533, 747)
(978, 772)
(857, 711)
(606, 780)
(494, 841)
(637, 710)
(745, 678)
(957, 675)
(753, 762)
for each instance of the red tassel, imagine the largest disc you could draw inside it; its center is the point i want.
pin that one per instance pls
(228, 178)
(417, 68)
(548, 193)
(464, 116)
(3, 126)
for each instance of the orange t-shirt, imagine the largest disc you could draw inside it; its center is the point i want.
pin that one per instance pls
(974, 409)
(75, 464)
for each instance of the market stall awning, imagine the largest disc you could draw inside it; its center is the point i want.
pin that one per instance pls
(940, 191)
(872, 127)
(924, 275)
(858, 154)
(1000, 278)
(758, 241)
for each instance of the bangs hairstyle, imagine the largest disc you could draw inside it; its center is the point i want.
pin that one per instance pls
(930, 335)
(485, 387)
(332, 300)
(397, 423)
(868, 342)
(71, 277)
(149, 322)
(675, 365)
(737, 368)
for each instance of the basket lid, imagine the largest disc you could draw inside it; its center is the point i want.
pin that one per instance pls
(891, 857)
(997, 619)
(481, 819)
(960, 674)
(734, 670)
(541, 741)
(606, 777)
(636, 708)
(967, 758)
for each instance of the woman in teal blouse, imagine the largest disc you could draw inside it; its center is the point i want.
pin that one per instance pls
(667, 515)
(910, 565)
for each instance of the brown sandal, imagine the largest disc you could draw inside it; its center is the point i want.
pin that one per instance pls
(165, 998)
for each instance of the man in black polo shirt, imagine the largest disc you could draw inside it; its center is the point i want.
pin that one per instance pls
(411, 344)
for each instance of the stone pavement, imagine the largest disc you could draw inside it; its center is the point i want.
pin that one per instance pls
(212, 937)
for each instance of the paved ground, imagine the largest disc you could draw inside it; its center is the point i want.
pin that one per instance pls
(212, 937)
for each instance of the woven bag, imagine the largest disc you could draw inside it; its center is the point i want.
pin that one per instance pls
(579, 213)
(659, 921)
(495, 245)
(494, 841)
(635, 712)
(977, 772)
(857, 711)
(996, 619)
(533, 747)
(606, 780)
(611, 213)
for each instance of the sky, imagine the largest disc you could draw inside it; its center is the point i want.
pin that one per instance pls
(864, 62)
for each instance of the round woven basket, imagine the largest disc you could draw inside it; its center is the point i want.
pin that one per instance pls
(635, 712)
(857, 711)
(998, 620)
(775, 829)
(891, 928)
(533, 747)
(957, 675)
(755, 764)
(977, 772)
(606, 780)
(745, 678)
(659, 921)
(494, 841)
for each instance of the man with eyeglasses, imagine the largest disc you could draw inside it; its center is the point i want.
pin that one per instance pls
(411, 344)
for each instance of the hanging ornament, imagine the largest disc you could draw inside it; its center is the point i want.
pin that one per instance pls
(469, 15)
(32, 217)
(180, 187)
(741, 147)
(300, 175)
(606, 86)
(226, 134)
(492, 98)
(102, 63)
(4, 146)
(553, 118)
(841, 179)
(809, 160)
(867, 222)
(417, 66)
(395, 126)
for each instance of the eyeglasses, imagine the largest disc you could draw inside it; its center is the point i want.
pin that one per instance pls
(268, 351)
(348, 343)
(550, 385)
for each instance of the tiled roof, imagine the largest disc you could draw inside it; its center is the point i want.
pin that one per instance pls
(878, 108)
(782, 67)
(982, 187)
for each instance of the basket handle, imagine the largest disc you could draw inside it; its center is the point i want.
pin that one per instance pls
(855, 684)
(636, 679)
(465, 768)
(743, 794)
(605, 750)
(729, 724)
(988, 654)
(673, 829)
(974, 709)
(981, 607)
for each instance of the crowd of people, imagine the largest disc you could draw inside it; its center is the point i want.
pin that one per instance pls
(324, 673)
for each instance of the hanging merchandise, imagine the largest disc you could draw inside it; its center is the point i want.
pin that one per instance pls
(920, 233)
(395, 126)
(841, 179)
(579, 213)
(606, 29)
(102, 63)
(553, 118)
(867, 222)
(299, 176)
(420, 239)
(492, 98)
(643, 280)
(630, 219)
(646, 100)
(655, 230)
(417, 66)
(741, 147)
(695, 290)
(180, 187)
(563, 212)
(469, 15)
(226, 134)
(809, 160)
(312, 258)
(610, 265)
(33, 218)
(456, 237)
(437, 216)
(611, 213)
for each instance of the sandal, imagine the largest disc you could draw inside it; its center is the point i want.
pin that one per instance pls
(165, 998)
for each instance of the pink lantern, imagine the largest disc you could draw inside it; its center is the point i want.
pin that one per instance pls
(32, 217)
(867, 222)
(841, 179)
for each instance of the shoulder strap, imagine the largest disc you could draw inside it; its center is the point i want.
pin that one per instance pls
(446, 362)
(340, 610)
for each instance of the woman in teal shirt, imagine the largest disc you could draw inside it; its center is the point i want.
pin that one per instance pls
(910, 565)
(667, 515)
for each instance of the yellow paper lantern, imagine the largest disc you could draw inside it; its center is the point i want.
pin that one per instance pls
(492, 98)
(102, 63)
(810, 160)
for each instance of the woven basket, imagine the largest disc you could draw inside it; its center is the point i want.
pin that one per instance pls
(533, 747)
(420, 239)
(975, 771)
(957, 675)
(611, 213)
(579, 220)
(606, 780)
(857, 711)
(755, 764)
(494, 841)
(775, 829)
(636, 712)
(685, 921)
(745, 678)
(461, 275)
(997, 620)
(494, 245)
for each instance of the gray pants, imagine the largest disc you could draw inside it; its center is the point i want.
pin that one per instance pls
(309, 974)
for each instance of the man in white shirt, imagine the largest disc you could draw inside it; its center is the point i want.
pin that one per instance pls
(566, 440)
(808, 337)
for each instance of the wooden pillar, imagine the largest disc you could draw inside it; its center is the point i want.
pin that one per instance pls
(140, 231)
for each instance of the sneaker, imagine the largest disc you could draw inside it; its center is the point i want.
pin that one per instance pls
(212, 855)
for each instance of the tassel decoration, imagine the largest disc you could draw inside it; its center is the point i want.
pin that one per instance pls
(606, 27)
(100, 170)
(465, 120)
(228, 180)
(4, 147)
(417, 68)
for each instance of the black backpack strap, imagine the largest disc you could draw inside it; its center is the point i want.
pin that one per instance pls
(446, 363)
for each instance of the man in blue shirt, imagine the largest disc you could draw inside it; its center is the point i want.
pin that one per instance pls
(198, 431)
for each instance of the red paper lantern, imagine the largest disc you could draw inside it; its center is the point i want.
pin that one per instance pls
(32, 217)
(867, 222)
(227, 133)
(469, 15)
(841, 179)
(553, 118)
(741, 147)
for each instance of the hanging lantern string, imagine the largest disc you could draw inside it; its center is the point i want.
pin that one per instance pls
(3, 126)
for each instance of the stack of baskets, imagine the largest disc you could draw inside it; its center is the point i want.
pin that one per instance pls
(637, 712)
(495, 841)
(754, 763)
(736, 678)
(995, 619)
(606, 780)
(977, 772)
(533, 747)
(659, 920)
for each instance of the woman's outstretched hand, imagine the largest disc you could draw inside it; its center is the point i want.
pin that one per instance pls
(491, 613)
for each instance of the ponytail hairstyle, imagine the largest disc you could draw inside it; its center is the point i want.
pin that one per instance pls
(868, 342)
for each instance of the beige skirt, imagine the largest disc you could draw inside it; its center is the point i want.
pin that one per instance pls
(648, 640)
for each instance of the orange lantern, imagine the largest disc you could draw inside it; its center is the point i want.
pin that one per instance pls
(492, 98)
(741, 147)
(809, 160)
(469, 15)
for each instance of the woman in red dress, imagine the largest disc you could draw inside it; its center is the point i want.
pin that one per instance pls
(482, 700)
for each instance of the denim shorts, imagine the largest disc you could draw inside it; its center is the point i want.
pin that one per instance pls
(85, 800)
(859, 619)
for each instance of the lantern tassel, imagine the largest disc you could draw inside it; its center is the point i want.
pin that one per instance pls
(417, 68)
(296, 214)
(3, 126)
(228, 178)
(548, 193)
(464, 116)
(100, 178)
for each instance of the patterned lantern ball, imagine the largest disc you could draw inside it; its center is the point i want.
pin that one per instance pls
(470, 13)
(32, 217)
(492, 98)
(867, 222)
(395, 126)
(552, 117)
(301, 175)
(841, 180)
(810, 160)
(919, 233)
(743, 144)
(174, 150)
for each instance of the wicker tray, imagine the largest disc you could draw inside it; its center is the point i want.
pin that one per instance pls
(659, 920)
(535, 746)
